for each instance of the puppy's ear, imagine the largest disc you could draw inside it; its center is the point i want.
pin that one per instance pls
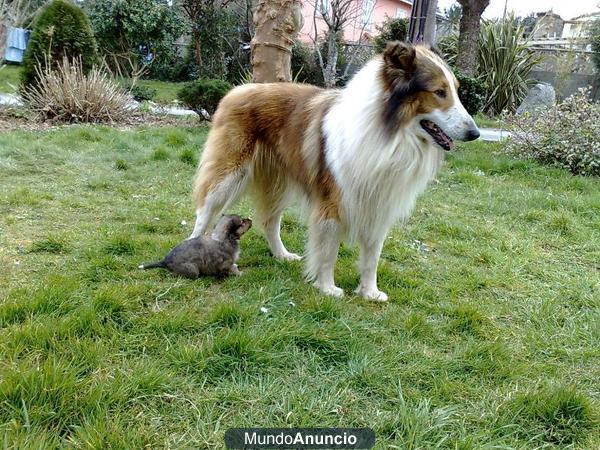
(400, 56)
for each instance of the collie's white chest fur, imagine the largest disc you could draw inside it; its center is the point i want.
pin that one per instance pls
(379, 176)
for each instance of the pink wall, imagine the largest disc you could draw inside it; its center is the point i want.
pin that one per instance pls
(382, 10)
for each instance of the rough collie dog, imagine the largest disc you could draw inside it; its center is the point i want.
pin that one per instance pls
(360, 155)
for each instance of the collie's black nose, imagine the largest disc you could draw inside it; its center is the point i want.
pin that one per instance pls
(472, 134)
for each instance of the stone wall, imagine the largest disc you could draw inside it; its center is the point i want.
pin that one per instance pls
(568, 84)
(565, 60)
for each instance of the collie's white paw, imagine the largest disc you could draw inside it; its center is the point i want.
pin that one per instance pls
(333, 291)
(372, 294)
(287, 256)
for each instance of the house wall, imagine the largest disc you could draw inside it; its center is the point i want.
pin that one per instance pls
(352, 32)
(548, 25)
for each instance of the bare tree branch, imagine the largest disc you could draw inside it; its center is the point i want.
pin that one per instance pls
(337, 15)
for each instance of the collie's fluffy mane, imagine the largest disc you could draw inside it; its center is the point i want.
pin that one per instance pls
(374, 152)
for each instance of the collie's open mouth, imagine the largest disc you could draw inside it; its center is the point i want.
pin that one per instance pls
(441, 138)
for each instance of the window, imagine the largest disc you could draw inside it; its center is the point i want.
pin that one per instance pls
(401, 13)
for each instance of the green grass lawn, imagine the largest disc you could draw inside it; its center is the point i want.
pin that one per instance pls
(166, 92)
(490, 340)
(484, 121)
(9, 78)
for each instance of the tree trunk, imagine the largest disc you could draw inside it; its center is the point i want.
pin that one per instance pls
(430, 23)
(468, 38)
(330, 69)
(197, 46)
(3, 36)
(277, 23)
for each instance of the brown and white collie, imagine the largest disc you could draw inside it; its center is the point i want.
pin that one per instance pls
(360, 156)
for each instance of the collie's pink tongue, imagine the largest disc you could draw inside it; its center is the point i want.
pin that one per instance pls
(441, 138)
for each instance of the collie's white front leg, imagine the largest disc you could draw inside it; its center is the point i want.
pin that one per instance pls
(273, 234)
(370, 250)
(322, 251)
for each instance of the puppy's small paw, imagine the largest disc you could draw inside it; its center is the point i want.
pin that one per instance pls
(332, 290)
(373, 294)
(287, 256)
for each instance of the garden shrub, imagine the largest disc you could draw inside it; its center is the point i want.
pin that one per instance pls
(471, 93)
(203, 94)
(305, 67)
(505, 63)
(136, 33)
(390, 30)
(67, 93)
(173, 67)
(565, 135)
(141, 93)
(61, 30)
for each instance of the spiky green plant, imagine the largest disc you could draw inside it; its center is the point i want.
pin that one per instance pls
(505, 62)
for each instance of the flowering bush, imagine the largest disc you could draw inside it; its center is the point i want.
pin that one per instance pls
(567, 135)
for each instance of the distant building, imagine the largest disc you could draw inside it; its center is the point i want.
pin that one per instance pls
(548, 25)
(566, 53)
(578, 27)
(368, 15)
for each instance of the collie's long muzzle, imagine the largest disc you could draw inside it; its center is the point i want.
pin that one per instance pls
(442, 139)
(438, 135)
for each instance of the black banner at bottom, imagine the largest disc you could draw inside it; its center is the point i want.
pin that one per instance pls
(299, 438)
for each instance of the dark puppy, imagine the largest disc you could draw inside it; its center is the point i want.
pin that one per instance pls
(208, 255)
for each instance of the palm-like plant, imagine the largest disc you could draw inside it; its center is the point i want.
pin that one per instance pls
(505, 62)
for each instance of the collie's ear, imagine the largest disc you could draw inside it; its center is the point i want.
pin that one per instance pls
(400, 55)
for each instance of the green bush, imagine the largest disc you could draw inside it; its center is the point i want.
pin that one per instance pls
(174, 68)
(305, 62)
(390, 30)
(471, 93)
(61, 29)
(305, 67)
(141, 93)
(203, 94)
(565, 135)
(138, 32)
